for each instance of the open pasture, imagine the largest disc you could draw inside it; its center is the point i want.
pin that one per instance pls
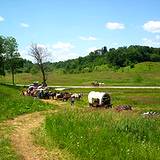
(81, 132)
(144, 74)
(94, 133)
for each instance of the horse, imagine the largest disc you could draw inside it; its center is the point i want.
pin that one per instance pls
(77, 95)
(66, 96)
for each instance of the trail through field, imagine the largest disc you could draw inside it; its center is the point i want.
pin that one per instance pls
(22, 139)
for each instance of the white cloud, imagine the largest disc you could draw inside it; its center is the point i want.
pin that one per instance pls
(24, 52)
(90, 38)
(25, 25)
(114, 25)
(59, 51)
(152, 26)
(42, 46)
(63, 46)
(1, 18)
(152, 42)
(62, 51)
(91, 49)
(62, 55)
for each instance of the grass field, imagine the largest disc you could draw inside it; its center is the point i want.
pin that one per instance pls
(140, 99)
(142, 74)
(6, 150)
(85, 133)
(13, 104)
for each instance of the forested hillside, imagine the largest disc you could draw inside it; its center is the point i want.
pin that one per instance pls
(115, 58)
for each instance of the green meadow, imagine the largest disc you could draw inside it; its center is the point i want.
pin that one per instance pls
(140, 99)
(13, 104)
(91, 133)
(145, 74)
(55, 55)
(83, 133)
(102, 134)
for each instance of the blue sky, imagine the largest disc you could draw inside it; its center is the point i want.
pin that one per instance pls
(72, 28)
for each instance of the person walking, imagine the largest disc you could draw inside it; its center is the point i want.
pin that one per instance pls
(72, 100)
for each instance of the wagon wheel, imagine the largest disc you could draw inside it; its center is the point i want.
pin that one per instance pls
(95, 104)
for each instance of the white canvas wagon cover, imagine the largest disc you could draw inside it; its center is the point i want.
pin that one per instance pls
(96, 95)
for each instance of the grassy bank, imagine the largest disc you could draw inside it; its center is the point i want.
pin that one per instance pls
(89, 134)
(146, 74)
(13, 104)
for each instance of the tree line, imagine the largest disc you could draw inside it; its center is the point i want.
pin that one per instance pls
(115, 58)
(10, 60)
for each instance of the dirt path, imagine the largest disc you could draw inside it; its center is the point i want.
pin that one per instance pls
(22, 140)
(118, 87)
(21, 137)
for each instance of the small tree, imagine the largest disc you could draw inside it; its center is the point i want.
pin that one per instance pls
(40, 54)
(12, 57)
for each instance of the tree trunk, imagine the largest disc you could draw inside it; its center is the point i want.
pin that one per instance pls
(12, 70)
(43, 73)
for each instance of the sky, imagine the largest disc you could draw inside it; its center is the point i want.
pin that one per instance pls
(73, 28)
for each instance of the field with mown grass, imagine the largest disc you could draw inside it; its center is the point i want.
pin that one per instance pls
(146, 73)
(13, 104)
(91, 133)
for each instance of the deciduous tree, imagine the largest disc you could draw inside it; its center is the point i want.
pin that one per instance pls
(12, 56)
(40, 54)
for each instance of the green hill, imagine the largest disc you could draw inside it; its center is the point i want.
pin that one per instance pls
(115, 58)
(146, 73)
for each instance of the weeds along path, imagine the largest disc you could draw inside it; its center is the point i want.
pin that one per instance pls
(22, 140)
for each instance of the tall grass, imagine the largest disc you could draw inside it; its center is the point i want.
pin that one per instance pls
(6, 153)
(103, 135)
(12, 103)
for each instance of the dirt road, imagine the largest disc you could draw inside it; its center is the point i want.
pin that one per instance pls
(118, 87)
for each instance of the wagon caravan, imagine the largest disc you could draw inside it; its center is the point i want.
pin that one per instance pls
(80, 80)
(99, 99)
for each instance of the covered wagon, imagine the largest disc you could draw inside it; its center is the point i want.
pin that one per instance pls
(99, 99)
